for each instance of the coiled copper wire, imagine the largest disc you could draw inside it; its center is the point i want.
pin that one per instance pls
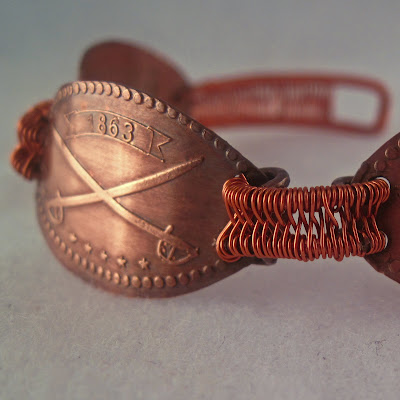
(300, 223)
(31, 130)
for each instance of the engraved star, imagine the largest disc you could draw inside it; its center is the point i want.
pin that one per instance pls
(88, 248)
(144, 264)
(121, 262)
(104, 255)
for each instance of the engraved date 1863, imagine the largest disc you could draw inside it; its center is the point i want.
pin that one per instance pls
(142, 137)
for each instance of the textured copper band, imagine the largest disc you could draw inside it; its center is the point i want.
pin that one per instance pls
(129, 186)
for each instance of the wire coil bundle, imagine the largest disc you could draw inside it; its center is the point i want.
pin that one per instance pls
(27, 157)
(302, 223)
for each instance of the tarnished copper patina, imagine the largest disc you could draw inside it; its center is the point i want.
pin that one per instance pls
(129, 185)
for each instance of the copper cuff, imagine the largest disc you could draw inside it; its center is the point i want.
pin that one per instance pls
(129, 186)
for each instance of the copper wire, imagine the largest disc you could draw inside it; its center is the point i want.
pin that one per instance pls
(31, 130)
(300, 223)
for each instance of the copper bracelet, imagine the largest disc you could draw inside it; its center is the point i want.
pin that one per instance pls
(129, 186)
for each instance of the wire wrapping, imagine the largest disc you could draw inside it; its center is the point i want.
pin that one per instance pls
(31, 130)
(300, 223)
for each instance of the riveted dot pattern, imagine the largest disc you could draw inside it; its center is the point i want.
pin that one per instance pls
(85, 260)
(105, 88)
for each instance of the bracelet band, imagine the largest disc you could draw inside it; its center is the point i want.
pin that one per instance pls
(263, 221)
(124, 177)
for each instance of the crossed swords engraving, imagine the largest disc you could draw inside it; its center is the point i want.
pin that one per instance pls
(168, 243)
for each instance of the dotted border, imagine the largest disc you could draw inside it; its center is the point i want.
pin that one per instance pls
(241, 164)
(379, 165)
(146, 282)
(391, 153)
(232, 156)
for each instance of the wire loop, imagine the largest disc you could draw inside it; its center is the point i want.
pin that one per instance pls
(27, 157)
(300, 223)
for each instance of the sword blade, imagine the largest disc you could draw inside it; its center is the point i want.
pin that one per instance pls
(117, 207)
(138, 185)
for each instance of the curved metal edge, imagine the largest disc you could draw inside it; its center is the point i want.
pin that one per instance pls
(385, 162)
(219, 146)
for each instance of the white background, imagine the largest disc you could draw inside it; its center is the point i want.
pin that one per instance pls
(322, 330)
